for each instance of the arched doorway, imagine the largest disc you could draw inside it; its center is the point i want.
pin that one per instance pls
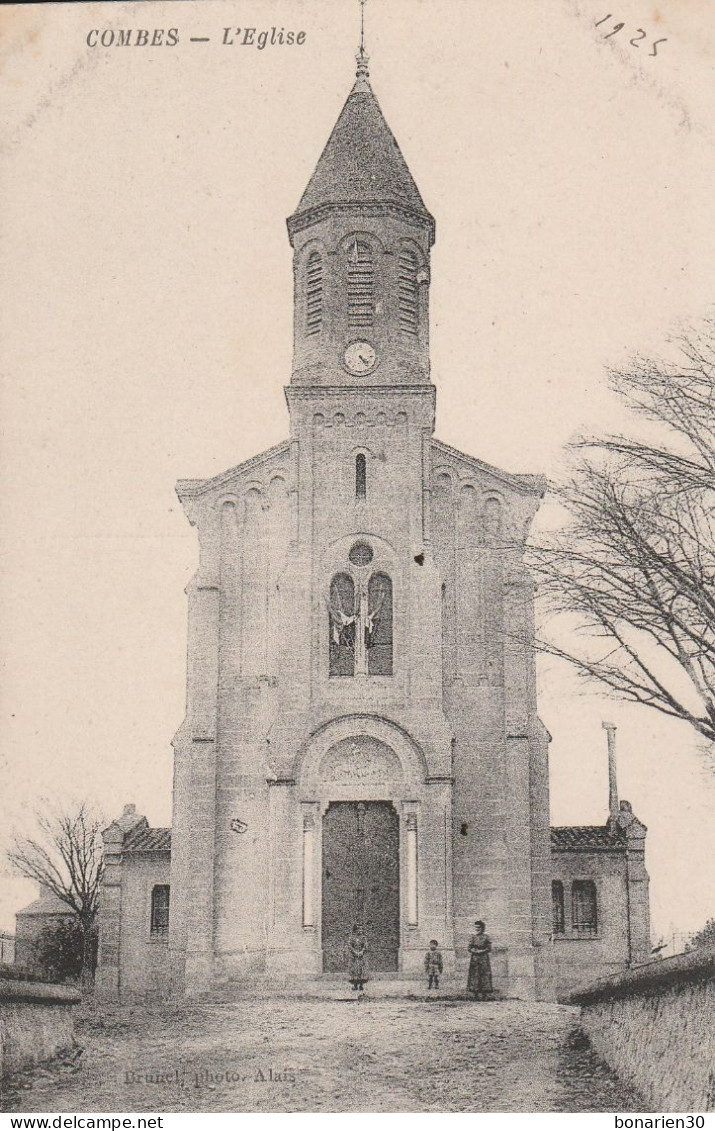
(361, 881)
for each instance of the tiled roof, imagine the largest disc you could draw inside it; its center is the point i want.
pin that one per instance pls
(148, 840)
(47, 903)
(565, 838)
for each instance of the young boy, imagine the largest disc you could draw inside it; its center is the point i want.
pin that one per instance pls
(433, 965)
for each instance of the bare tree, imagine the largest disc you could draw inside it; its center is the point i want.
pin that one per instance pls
(65, 856)
(632, 570)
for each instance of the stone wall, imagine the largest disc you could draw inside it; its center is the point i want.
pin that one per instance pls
(36, 1023)
(653, 1026)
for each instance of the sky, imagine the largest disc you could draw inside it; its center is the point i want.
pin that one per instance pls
(147, 318)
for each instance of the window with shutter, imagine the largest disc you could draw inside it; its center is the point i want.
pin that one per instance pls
(361, 285)
(314, 294)
(407, 291)
(584, 910)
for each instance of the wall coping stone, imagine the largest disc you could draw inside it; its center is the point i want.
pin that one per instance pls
(41, 992)
(697, 966)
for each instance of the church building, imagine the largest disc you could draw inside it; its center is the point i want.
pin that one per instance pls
(361, 741)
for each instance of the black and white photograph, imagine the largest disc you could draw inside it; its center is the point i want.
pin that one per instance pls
(358, 558)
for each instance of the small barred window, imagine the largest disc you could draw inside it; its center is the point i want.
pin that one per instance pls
(584, 907)
(557, 902)
(160, 909)
(314, 294)
(361, 285)
(407, 291)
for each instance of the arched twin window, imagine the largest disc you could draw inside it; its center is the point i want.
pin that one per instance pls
(314, 294)
(342, 625)
(360, 625)
(361, 285)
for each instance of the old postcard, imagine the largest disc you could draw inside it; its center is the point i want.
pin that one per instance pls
(358, 557)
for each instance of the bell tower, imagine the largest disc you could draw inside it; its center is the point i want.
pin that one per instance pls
(361, 236)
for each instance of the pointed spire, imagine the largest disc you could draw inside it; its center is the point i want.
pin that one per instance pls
(361, 164)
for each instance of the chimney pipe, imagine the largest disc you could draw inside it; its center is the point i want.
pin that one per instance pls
(610, 730)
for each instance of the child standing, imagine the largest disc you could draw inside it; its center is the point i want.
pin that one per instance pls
(433, 965)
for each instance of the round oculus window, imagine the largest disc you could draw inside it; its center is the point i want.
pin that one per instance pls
(360, 554)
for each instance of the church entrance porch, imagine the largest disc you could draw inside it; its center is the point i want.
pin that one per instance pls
(361, 882)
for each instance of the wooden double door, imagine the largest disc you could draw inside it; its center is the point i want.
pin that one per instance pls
(361, 882)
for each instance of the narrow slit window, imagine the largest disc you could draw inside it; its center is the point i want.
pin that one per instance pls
(160, 910)
(378, 626)
(584, 909)
(360, 477)
(557, 903)
(361, 285)
(314, 294)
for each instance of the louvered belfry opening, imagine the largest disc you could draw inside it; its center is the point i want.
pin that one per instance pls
(314, 294)
(407, 291)
(361, 285)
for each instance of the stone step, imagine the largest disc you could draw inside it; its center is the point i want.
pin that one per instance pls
(336, 987)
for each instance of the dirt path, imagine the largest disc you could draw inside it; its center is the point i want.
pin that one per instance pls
(307, 1054)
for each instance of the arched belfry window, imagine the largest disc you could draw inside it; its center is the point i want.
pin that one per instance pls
(408, 291)
(361, 285)
(314, 293)
(378, 625)
(360, 477)
(343, 616)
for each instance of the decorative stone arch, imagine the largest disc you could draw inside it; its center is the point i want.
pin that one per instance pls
(413, 246)
(227, 499)
(394, 766)
(303, 253)
(376, 243)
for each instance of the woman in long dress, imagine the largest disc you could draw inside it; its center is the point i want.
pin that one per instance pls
(357, 959)
(479, 981)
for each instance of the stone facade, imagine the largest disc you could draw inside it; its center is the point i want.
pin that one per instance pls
(360, 648)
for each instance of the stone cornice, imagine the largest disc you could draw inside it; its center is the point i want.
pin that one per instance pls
(323, 392)
(306, 219)
(186, 488)
(525, 484)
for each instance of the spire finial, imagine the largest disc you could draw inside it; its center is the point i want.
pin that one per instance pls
(362, 57)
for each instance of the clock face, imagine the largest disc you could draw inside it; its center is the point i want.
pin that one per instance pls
(360, 358)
